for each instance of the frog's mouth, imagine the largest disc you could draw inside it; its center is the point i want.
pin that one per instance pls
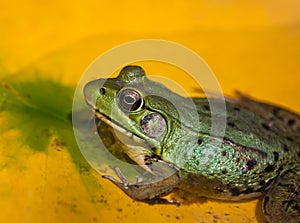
(115, 125)
(138, 149)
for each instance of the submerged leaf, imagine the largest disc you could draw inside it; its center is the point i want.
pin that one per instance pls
(36, 108)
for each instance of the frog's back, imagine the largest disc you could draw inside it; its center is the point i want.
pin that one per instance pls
(282, 201)
(279, 127)
(255, 124)
(284, 119)
(260, 153)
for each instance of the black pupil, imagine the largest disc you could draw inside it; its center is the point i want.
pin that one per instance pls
(130, 100)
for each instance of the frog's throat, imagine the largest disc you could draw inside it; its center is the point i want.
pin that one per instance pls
(115, 125)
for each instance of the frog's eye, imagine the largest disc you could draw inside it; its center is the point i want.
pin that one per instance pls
(130, 100)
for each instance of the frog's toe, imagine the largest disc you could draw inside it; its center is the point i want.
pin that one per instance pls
(160, 200)
(282, 202)
(150, 190)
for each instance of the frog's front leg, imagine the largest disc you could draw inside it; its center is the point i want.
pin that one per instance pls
(149, 191)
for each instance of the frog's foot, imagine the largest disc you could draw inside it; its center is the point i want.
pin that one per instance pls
(281, 204)
(146, 191)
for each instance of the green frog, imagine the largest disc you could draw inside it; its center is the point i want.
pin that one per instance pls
(258, 154)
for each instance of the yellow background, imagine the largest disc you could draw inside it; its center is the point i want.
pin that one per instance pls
(251, 45)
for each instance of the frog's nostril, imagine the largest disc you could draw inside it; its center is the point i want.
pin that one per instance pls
(102, 90)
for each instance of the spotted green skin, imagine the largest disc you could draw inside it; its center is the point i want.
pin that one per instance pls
(257, 155)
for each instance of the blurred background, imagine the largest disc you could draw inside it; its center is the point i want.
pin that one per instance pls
(252, 46)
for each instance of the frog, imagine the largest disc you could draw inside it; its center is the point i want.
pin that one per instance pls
(257, 155)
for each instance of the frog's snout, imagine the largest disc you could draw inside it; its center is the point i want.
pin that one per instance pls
(91, 92)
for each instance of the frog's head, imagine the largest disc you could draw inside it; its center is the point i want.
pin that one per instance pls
(134, 105)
